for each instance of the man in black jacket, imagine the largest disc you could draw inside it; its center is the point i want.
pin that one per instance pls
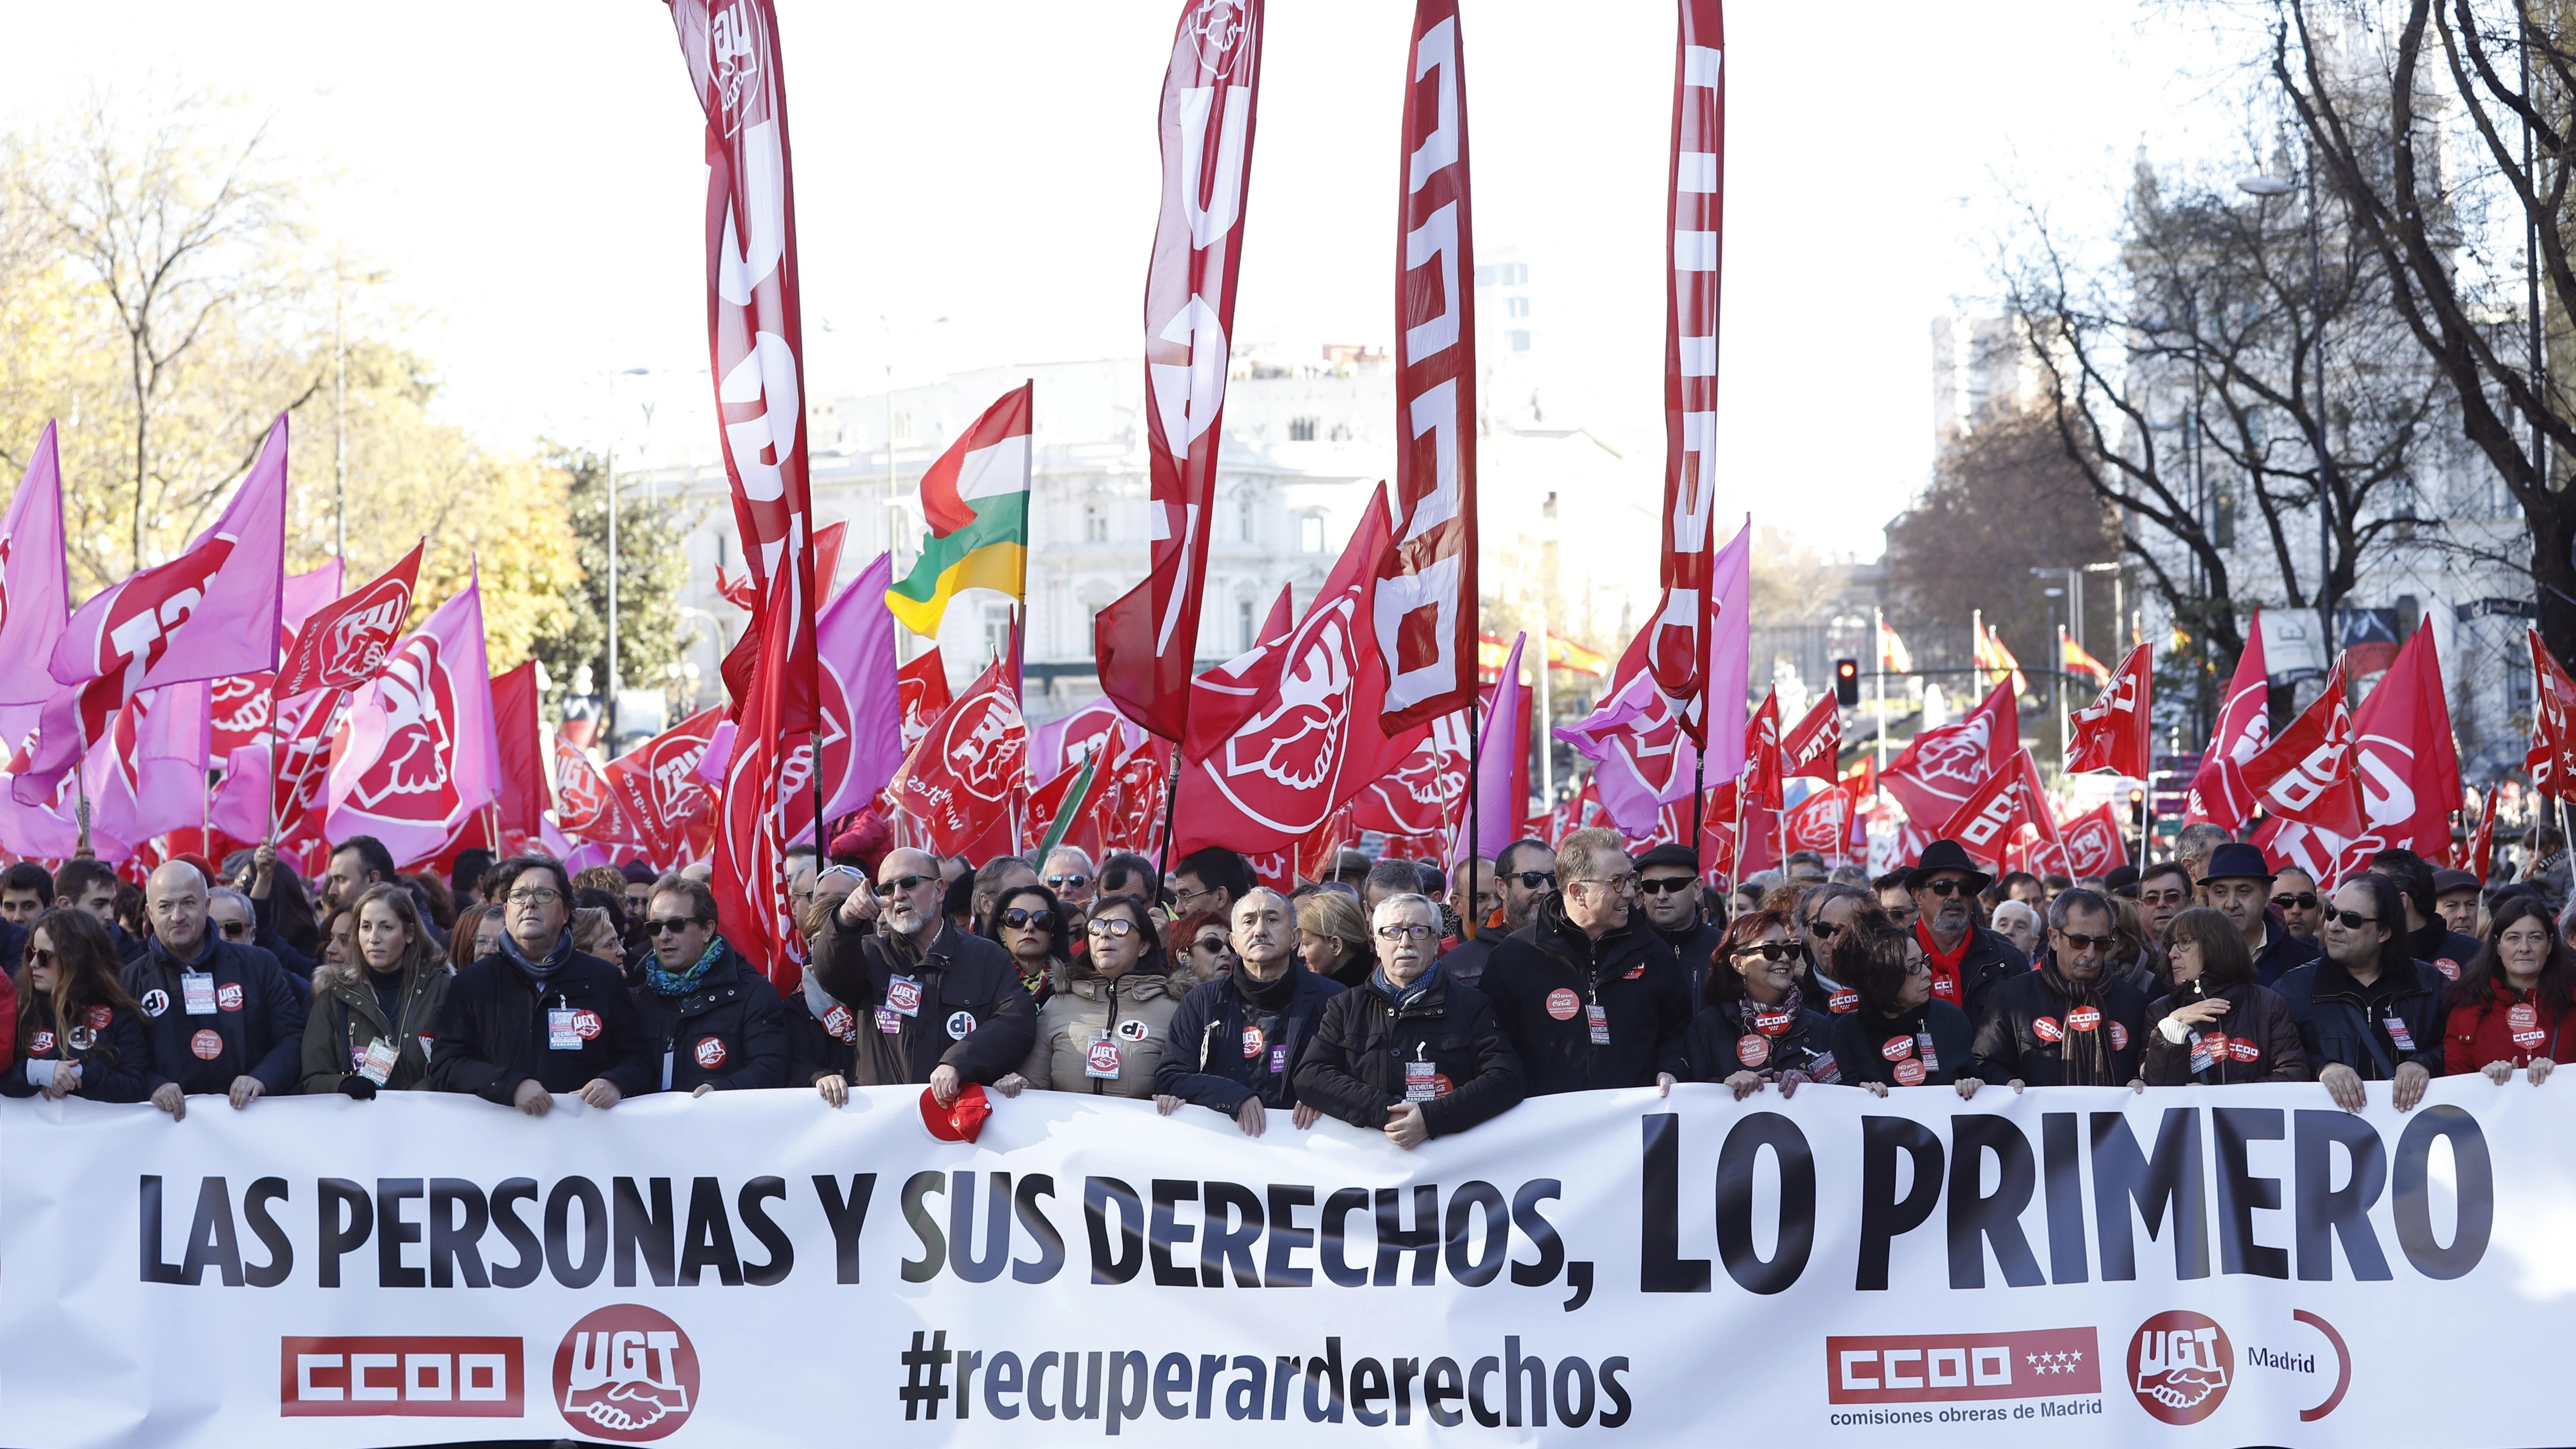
(935, 1004)
(2369, 1011)
(1524, 872)
(1410, 1052)
(1588, 997)
(1235, 1040)
(2239, 886)
(537, 1017)
(1967, 959)
(717, 1019)
(1668, 887)
(222, 1016)
(2072, 1022)
(2428, 935)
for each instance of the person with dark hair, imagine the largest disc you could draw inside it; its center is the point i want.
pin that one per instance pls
(2237, 883)
(1387, 877)
(1587, 996)
(2294, 895)
(1756, 1027)
(1211, 878)
(537, 1017)
(715, 1015)
(936, 1005)
(2164, 889)
(1236, 1041)
(1125, 873)
(636, 880)
(1828, 912)
(2220, 1024)
(79, 1033)
(2122, 881)
(1030, 923)
(373, 1019)
(1899, 1033)
(2020, 885)
(356, 863)
(1895, 900)
(26, 891)
(1106, 1025)
(1410, 1052)
(1523, 872)
(283, 920)
(2072, 1022)
(2368, 1011)
(86, 883)
(477, 935)
(957, 901)
(1668, 889)
(1001, 874)
(2427, 935)
(1968, 960)
(465, 878)
(2509, 1009)
(223, 1017)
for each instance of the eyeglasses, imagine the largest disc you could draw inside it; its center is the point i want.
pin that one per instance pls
(525, 899)
(1213, 945)
(236, 930)
(899, 884)
(1068, 882)
(1767, 950)
(1626, 882)
(2077, 941)
(2352, 920)
(2302, 900)
(40, 958)
(1533, 879)
(1027, 920)
(1113, 928)
(1945, 888)
(1404, 933)
(1665, 885)
(1823, 930)
(673, 925)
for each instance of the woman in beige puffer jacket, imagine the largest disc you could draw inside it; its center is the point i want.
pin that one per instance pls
(1110, 1016)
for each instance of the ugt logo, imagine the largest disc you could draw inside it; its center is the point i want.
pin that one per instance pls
(2178, 1366)
(626, 1373)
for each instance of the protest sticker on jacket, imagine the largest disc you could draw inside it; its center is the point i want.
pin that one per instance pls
(2245, 1263)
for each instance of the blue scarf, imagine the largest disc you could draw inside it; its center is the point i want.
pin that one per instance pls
(1401, 997)
(538, 972)
(681, 983)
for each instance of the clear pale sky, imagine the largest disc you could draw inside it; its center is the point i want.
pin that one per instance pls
(531, 178)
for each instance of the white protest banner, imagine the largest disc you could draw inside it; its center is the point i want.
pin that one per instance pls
(2237, 1265)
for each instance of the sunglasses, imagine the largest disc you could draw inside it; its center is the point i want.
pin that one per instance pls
(1667, 885)
(236, 930)
(2352, 920)
(1945, 888)
(1019, 919)
(1533, 879)
(900, 883)
(40, 958)
(1213, 945)
(2077, 941)
(1068, 882)
(1823, 930)
(673, 925)
(1114, 927)
(1767, 950)
(2304, 900)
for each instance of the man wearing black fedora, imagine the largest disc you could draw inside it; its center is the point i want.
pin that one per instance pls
(1967, 959)
(2239, 885)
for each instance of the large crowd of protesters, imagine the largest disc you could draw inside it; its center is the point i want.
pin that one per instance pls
(1391, 995)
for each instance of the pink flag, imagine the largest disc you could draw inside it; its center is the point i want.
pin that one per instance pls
(862, 743)
(345, 644)
(1500, 753)
(245, 704)
(419, 753)
(34, 596)
(1643, 760)
(1730, 653)
(148, 776)
(1059, 745)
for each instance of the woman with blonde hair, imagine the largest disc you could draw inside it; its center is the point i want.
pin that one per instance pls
(1333, 938)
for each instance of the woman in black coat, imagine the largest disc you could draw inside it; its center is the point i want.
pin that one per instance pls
(2218, 1025)
(79, 1032)
(1757, 1027)
(1899, 1035)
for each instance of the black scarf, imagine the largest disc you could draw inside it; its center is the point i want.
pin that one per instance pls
(1271, 995)
(540, 972)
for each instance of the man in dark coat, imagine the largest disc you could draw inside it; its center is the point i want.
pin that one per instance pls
(2428, 934)
(1668, 886)
(935, 1004)
(1588, 996)
(1523, 873)
(2073, 1022)
(1235, 1040)
(222, 1016)
(1967, 959)
(537, 1017)
(717, 1019)
(1410, 1052)
(2368, 1011)
(2239, 887)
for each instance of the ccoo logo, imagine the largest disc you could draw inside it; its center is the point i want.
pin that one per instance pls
(626, 1373)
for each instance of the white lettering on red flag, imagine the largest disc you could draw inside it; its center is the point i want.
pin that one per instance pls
(1678, 647)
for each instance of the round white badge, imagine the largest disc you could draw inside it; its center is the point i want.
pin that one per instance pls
(960, 1023)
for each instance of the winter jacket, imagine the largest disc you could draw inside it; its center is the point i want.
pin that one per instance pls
(1985, 959)
(1744, 1036)
(348, 1017)
(1103, 1035)
(1872, 1048)
(2042, 1030)
(1465, 962)
(973, 1014)
(255, 1029)
(265, 935)
(1226, 1049)
(1694, 949)
(2256, 1041)
(2506, 1026)
(1356, 1069)
(497, 1032)
(1545, 980)
(2372, 1029)
(727, 1034)
(2442, 948)
(115, 1055)
(2281, 951)
(822, 1034)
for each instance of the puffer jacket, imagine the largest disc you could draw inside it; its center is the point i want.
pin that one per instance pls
(726, 1034)
(1356, 1069)
(108, 1041)
(2256, 1041)
(1226, 1049)
(1103, 1035)
(1744, 1036)
(1545, 980)
(2374, 1029)
(348, 1018)
(1874, 1048)
(973, 1014)
(2042, 1030)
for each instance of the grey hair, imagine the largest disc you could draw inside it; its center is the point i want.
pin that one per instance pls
(1580, 853)
(1075, 851)
(1287, 907)
(2077, 898)
(1405, 899)
(227, 893)
(2015, 907)
(2196, 840)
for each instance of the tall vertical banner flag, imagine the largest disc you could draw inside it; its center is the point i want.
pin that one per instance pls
(1146, 640)
(418, 754)
(2218, 791)
(976, 500)
(862, 744)
(1678, 652)
(35, 594)
(755, 317)
(1425, 604)
(1730, 653)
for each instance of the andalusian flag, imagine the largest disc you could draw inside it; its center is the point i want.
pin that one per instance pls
(976, 501)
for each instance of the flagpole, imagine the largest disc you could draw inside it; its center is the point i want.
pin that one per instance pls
(1878, 641)
(2061, 699)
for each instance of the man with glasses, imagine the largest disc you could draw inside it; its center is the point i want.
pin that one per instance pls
(223, 1017)
(1410, 1052)
(935, 1004)
(2367, 1010)
(1668, 887)
(2294, 895)
(1236, 1041)
(1076, 883)
(999, 877)
(2073, 1022)
(1211, 880)
(537, 1018)
(1967, 959)
(1895, 899)
(1587, 997)
(2164, 888)
(1525, 871)
(2238, 884)
(717, 1020)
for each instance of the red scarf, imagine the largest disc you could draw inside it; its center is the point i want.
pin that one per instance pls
(1945, 964)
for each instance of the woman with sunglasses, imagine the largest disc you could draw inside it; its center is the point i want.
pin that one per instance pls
(1898, 1034)
(1756, 1026)
(1105, 1028)
(79, 1033)
(2218, 1025)
(1032, 924)
(1200, 950)
(373, 1020)
(2509, 1007)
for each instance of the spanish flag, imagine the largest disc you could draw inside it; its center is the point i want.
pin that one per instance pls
(976, 501)
(2074, 659)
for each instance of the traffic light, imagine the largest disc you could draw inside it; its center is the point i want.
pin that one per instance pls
(1846, 682)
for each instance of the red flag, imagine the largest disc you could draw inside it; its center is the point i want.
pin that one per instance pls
(2306, 774)
(1220, 698)
(1130, 817)
(1424, 617)
(344, 644)
(1941, 767)
(585, 806)
(2219, 794)
(827, 566)
(2482, 845)
(417, 756)
(755, 316)
(2117, 731)
(1146, 640)
(1991, 818)
(2284, 841)
(962, 780)
(2553, 704)
(1813, 747)
(521, 736)
(923, 685)
(1763, 765)
(2404, 766)
(1696, 204)
(1822, 823)
(750, 879)
(659, 793)
(2092, 843)
(1423, 795)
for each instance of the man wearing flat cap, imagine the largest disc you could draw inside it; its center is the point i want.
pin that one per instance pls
(1668, 888)
(1967, 959)
(2239, 885)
